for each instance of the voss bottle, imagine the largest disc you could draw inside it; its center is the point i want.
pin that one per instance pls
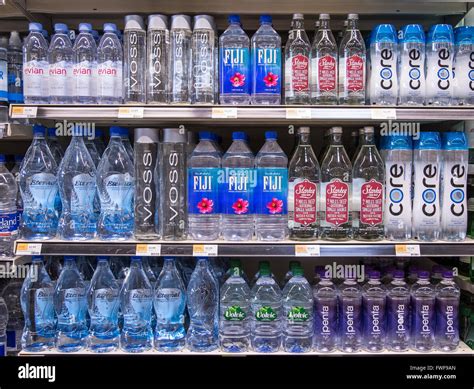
(463, 93)
(180, 59)
(157, 46)
(134, 60)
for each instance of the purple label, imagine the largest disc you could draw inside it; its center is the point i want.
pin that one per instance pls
(423, 318)
(325, 318)
(398, 314)
(447, 320)
(350, 318)
(374, 319)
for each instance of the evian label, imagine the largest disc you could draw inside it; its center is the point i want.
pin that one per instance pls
(304, 203)
(300, 73)
(337, 202)
(34, 78)
(326, 73)
(371, 202)
(354, 73)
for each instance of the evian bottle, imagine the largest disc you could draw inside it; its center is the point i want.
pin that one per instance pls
(368, 190)
(304, 178)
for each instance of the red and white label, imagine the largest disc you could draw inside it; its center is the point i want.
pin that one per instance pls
(371, 203)
(354, 73)
(327, 73)
(300, 72)
(305, 197)
(337, 202)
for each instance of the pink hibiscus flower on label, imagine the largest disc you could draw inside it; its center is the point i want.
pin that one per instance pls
(275, 206)
(271, 79)
(240, 206)
(238, 79)
(205, 205)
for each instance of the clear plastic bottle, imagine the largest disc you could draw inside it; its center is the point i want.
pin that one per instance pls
(398, 313)
(158, 44)
(84, 73)
(15, 68)
(60, 58)
(11, 294)
(374, 300)
(180, 59)
(350, 316)
(134, 60)
(463, 88)
(8, 210)
(325, 314)
(447, 313)
(3, 327)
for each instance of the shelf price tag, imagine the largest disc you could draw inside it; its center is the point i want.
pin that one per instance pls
(20, 112)
(383, 113)
(298, 113)
(148, 250)
(204, 250)
(224, 113)
(307, 250)
(407, 250)
(28, 248)
(130, 113)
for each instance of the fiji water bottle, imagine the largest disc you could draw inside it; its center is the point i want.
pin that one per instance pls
(60, 58)
(374, 299)
(447, 313)
(157, 46)
(84, 73)
(8, 210)
(398, 313)
(350, 316)
(423, 315)
(463, 93)
(15, 68)
(180, 59)
(134, 60)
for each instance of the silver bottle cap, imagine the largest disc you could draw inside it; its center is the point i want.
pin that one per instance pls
(146, 135)
(157, 22)
(174, 135)
(181, 22)
(134, 22)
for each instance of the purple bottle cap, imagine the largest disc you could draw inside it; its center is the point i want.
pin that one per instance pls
(448, 274)
(424, 274)
(399, 274)
(374, 275)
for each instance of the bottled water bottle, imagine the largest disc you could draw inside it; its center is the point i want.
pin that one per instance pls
(173, 183)
(236, 191)
(426, 204)
(423, 313)
(3, 327)
(109, 67)
(15, 69)
(39, 187)
(350, 316)
(235, 76)
(203, 52)
(463, 88)
(60, 58)
(325, 314)
(11, 294)
(85, 66)
(384, 62)
(170, 303)
(412, 66)
(158, 44)
(453, 186)
(70, 304)
(203, 308)
(398, 168)
(8, 210)
(447, 313)
(103, 304)
(297, 314)
(134, 65)
(374, 299)
(136, 302)
(115, 186)
(234, 325)
(204, 166)
(271, 190)
(398, 313)
(180, 59)
(35, 66)
(439, 65)
(54, 146)
(38, 308)
(77, 187)
(266, 64)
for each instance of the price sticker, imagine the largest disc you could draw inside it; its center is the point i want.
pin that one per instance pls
(407, 250)
(130, 113)
(383, 114)
(204, 250)
(20, 112)
(307, 250)
(224, 113)
(148, 250)
(298, 113)
(28, 248)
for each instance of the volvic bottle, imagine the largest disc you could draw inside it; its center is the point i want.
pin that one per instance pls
(234, 59)
(398, 176)
(266, 64)
(447, 313)
(374, 300)
(350, 316)
(463, 88)
(325, 314)
(426, 203)
(8, 210)
(180, 59)
(423, 313)
(453, 186)
(398, 313)
(336, 190)
(157, 46)
(134, 60)
(60, 60)
(15, 68)
(84, 72)
(204, 167)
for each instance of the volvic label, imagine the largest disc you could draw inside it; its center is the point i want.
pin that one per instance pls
(203, 191)
(234, 313)
(454, 210)
(236, 191)
(8, 224)
(398, 197)
(272, 191)
(266, 314)
(234, 70)
(296, 315)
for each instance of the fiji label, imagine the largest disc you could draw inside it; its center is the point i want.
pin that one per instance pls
(272, 191)
(203, 191)
(267, 70)
(304, 203)
(234, 70)
(371, 203)
(326, 73)
(337, 202)
(8, 224)
(266, 313)
(237, 191)
(354, 73)
(298, 315)
(234, 313)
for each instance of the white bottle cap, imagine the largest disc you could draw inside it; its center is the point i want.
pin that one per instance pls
(353, 17)
(324, 17)
(181, 22)
(368, 130)
(203, 22)
(134, 22)
(146, 135)
(157, 22)
(298, 16)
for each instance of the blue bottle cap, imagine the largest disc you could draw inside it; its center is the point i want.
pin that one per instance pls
(428, 141)
(37, 27)
(85, 27)
(52, 132)
(137, 259)
(2, 158)
(454, 141)
(399, 274)
(36, 258)
(214, 137)
(102, 259)
(169, 258)
(115, 131)
(265, 19)
(384, 33)
(202, 258)
(234, 19)
(464, 34)
(271, 135)
(60, 27)
(99, 133)
(400, 142)
(38, 129)
(69, 258)
(424, 274)
(238, 135)
(19, 158)
(413, 33)
(441, 33)
(205, 135)
(110, 27)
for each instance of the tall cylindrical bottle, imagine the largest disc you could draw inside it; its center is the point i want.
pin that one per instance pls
(60, 66)
(180, 59)
(84, 72)
(398, 313)
(374, 300)
(463, 88)
(447, 313)
(423, 315)
(134, 59)
(350, 316)
(325, 314)
(15, 69)
(157, 46)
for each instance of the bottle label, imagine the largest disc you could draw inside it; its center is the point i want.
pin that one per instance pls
(74, 305)
(164, 295)
(84, 76)
(439, 76)
(203, 191)
(237, 191)
(34, 78)
(44, 306)
(326, 73)
(412, 72)
(426, 199)
(140, 305)
(43, 188)
(108, 74)
(265, 314)
(454, 182)
(15, 83)
(157, 61)
(60, 78)
(119, 187)
(398, 317)
(383, 78)
(447, 320)
(267, 71)
(105, 302)
(374, 319)
(371, 203)
(350, 319)
(83, 193)
(464, 77)
(8, 224)
(424, 319)
(354, 72)
(398, 188)
(272, 191)
(203, 65)
(3, 81)
(297, 315)
(298, 73)
(234, 72)
(304, 204)
(337, 202)
(234, 313)
(169, 304)
(325, 320)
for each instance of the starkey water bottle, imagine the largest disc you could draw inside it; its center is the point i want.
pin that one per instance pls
(374, 300)
(398, 313)
(350, 316)
(157, 46)
(447, 313)
(423, 313)
(60, 59)
(8, 210)
(15, 68)
(134, 60)
(463, 88)
(84, 72)
(266, 64)
(38, 308)
(180, 59)
(234, 59)
(204, 166)
(271, 162)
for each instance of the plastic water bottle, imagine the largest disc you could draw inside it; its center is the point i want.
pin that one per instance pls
(398, 313)
(84, 72)
(454, 186)
(271, 192)
(60, 59)
(158, 44)
(426, 203)
(109, 67)
(234, 324)
(439, 65)
(15, 68)
(463, 88)
(398, 176)
(297, 314)
(180, 59)
(412, 83)
(423, 313)
(77, 187)
(11, 293)
(204, 167)
(38, 185)
(136, 302)
(203, 308)
(4, 70)
(374, 300)
(3, 327)
(266, 64)
(447, 313)
(384, 62)
(325, 314)
(70, 304)
(234, 58)
(134, 60)
(350, 316)
(115, 184)
(8, 210)
(237, 190)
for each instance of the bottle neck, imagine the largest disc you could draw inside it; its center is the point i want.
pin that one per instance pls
(304, 140)
(353, 24)
(298, 24)
(168, 264)
(368, 140)
(335, 139)
(323, 24)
